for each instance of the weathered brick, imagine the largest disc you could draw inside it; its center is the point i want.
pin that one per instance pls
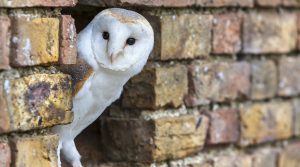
(289, 80)
(4, 42)
(292, 3)
(226, 33)
(266, 157)
(265, 122)
(224, 126)
(153, 139)
(37, 150)
(182, 36)
(36, 101)
(34, 41)
(290, 156)
(272, 3)
(195, 161)
(126, 164)
(152, 3)
(296, 117)
(232, 159)
(68, 51)
(298, 39)
(217, 81)
(4, 114)
(224, 3)
(89, 146)
(169, 3)
(193, 165)
(156, 87)
(264, 79)
(5, 154)
(101, 3)
(298, 21)
(31, 3)
(269, 32)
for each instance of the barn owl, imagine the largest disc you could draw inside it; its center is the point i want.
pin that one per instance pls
(116, 45)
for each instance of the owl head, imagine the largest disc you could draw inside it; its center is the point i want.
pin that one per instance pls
(116, 39)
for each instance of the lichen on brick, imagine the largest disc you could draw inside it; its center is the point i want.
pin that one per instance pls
(38, 101)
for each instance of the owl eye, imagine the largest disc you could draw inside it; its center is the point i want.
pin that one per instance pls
(130, 41)
(105, 35)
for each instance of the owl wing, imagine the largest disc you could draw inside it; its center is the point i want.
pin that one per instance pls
(79, 72)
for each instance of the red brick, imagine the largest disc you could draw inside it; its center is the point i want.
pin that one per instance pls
(264, 79)
(218, 82)
(289, 78)
(269, 32)
(226, 33)
(4, 42)
(292, 3)
(224, 126)
(169, 3)
(68, 51)
(148, 3)
(32, 3)
(272, 3)
(5, 154)
(224, 3)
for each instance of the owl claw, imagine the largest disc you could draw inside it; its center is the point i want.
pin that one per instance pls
(77, 164)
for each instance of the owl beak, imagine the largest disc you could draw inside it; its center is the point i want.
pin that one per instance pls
(111, 58)
(114, 56)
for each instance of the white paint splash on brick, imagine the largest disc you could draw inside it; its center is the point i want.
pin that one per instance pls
(15, 39)
(150, 115)
(221, 76)
(196, 160)
(26, 50)
(72, 32)
(9, 2)
(6, 86)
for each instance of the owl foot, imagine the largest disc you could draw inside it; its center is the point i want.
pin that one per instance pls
(77, 164)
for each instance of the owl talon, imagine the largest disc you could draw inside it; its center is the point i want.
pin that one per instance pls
(77, 164)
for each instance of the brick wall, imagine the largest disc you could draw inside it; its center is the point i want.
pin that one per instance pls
(34, 95)
(221, 88)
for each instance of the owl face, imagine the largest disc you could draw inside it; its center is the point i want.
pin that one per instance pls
(119, 39)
